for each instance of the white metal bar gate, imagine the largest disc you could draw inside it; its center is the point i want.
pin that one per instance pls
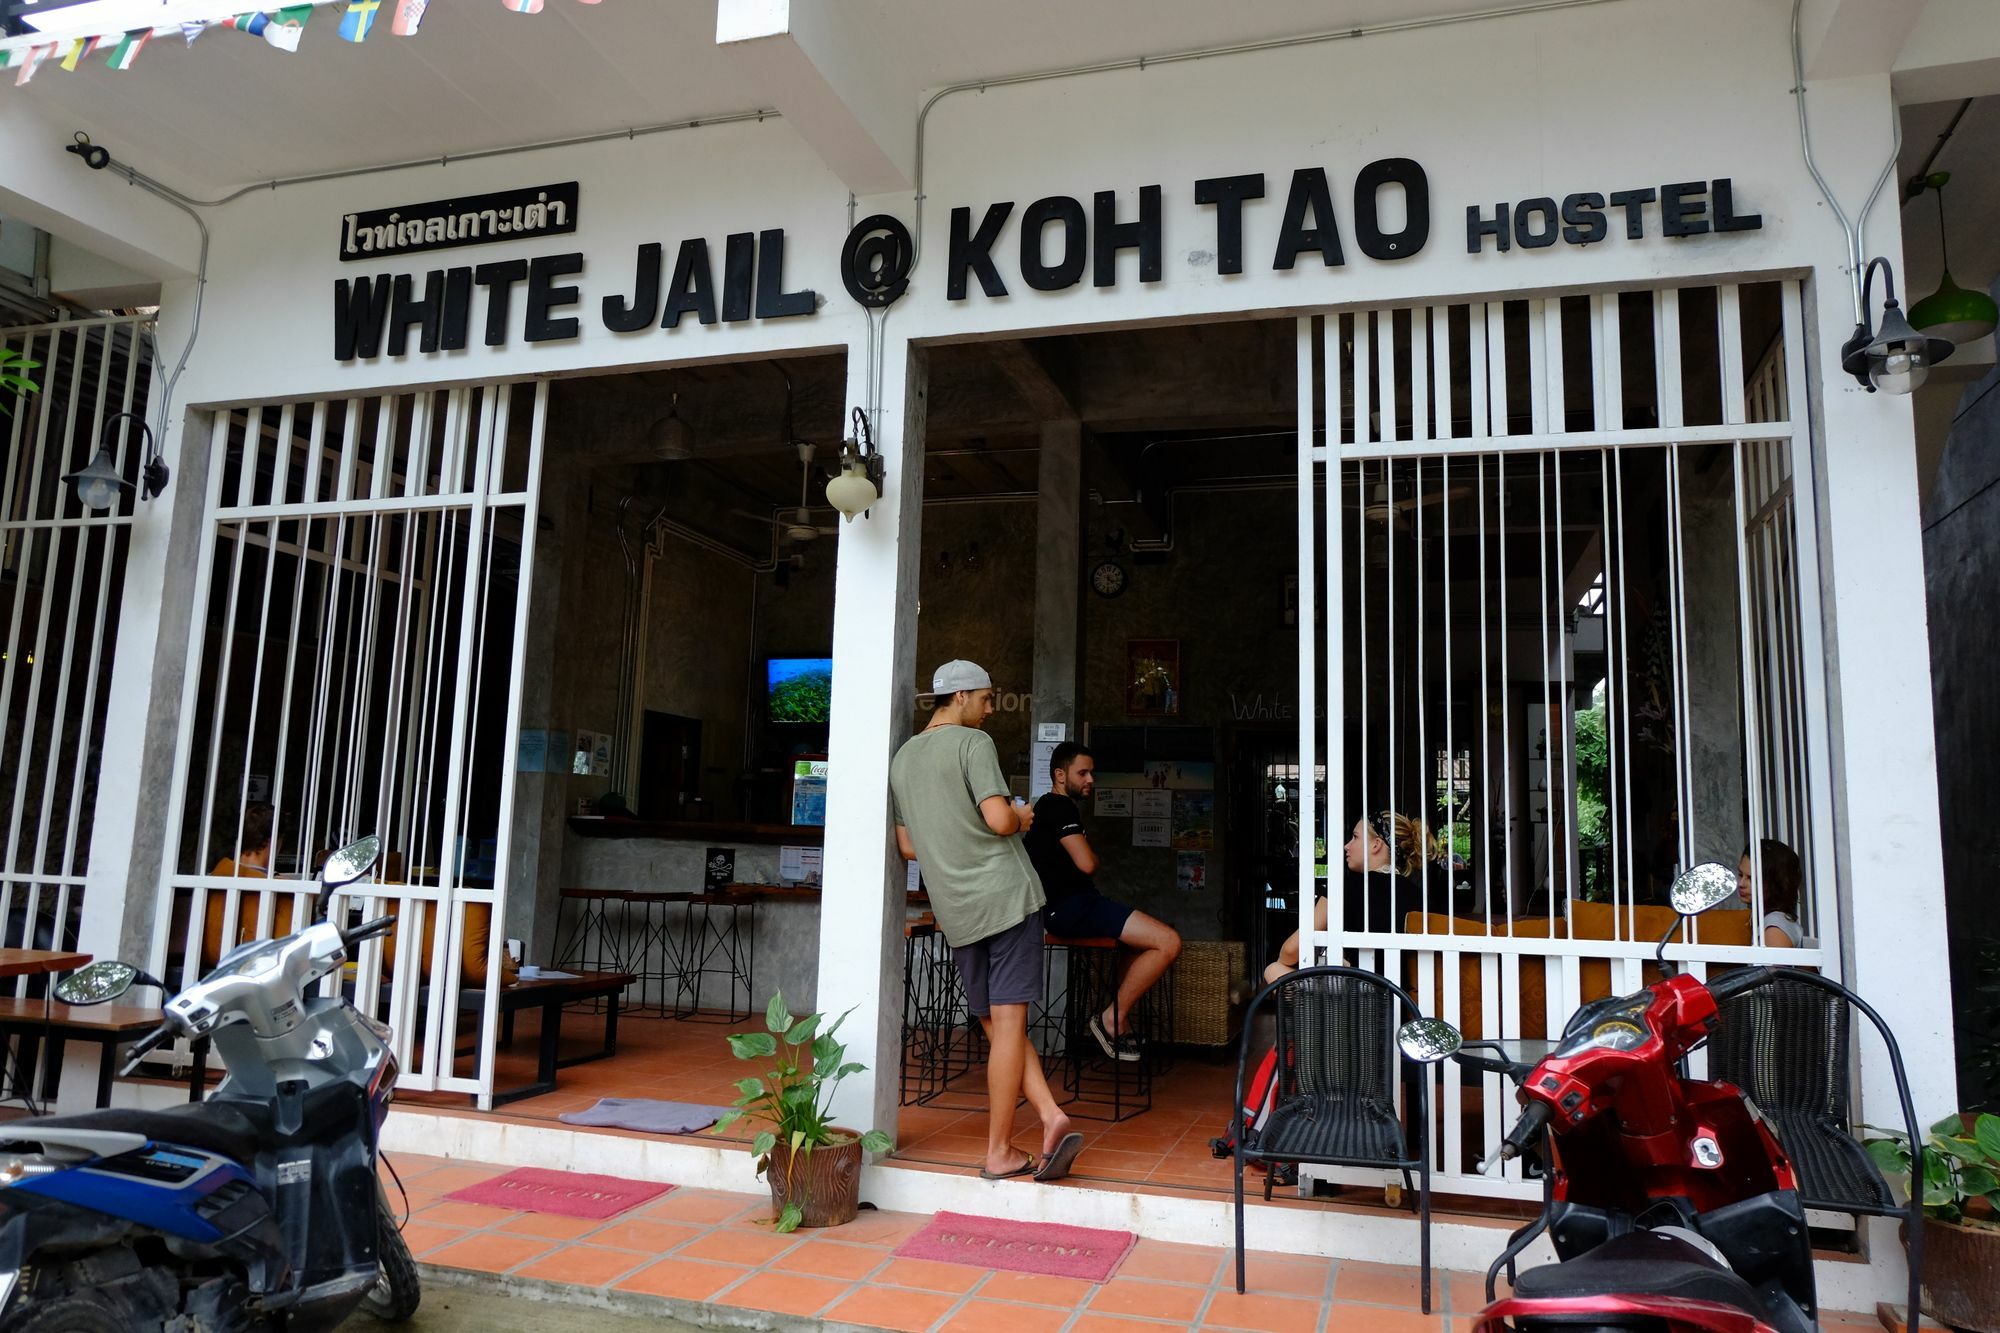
(1569, 643)
(62, 576)
(356, 668)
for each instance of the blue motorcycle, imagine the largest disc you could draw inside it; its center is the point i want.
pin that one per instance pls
(258, 1209)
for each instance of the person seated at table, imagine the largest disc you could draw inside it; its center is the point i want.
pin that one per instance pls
(1063, 857)
(256, 848)
(1387, 856)
(1783, 879)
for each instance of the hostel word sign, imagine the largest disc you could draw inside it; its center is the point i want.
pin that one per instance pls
(1058, 243)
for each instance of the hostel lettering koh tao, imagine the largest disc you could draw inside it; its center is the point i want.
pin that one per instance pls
(1060, 241)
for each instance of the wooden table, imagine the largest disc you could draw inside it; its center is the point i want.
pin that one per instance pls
(550, 994)
(17, 1080)
(39, 962)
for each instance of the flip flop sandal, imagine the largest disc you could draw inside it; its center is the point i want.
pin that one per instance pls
(1027, 1167)
(1062, 1159)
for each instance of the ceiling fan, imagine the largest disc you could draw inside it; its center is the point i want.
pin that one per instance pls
(796, 523)
(1385, 506)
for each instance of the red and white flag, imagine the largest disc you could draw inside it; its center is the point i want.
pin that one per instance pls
(35, 56)
(409, 17)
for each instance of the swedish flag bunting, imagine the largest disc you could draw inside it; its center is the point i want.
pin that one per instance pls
(360, 17)
(127, 51)
(409, 17)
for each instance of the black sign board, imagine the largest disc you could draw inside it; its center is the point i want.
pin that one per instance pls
(446, 224)
(720, 870)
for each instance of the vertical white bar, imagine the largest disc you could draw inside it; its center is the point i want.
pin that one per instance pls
(1538, 368)
(1385, 369)
(1556, 418)
(496, 933)
(1420, 373)
(1610, 361)
(1335, 667)
(1364, 381)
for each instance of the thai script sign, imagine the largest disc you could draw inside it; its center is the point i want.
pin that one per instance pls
(445, 224)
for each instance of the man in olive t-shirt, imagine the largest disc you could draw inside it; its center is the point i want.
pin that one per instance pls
(954, 815)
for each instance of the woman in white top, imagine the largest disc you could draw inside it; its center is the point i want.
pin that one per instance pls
(1783, 878)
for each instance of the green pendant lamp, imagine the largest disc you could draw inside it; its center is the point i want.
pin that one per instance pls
(1951, 311)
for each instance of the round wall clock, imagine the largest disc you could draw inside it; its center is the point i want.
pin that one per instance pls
(1108, 579)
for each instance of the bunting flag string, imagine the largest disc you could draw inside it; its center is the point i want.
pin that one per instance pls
(281, 27)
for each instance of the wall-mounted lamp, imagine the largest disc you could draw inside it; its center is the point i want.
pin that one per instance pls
(1951, 311)
(99, 486)
(1893, 356)
(858, 485)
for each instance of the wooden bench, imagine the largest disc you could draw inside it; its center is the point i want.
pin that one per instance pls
(550, 994)
(109, 1025)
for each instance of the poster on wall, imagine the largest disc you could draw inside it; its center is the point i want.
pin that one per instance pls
(1114, 803)
(600, 754)
(1194, 820)
(809, 791)
(1190, 871)
(1039, 756)
(1152, 833)
(1153, 804)
(1153, 677)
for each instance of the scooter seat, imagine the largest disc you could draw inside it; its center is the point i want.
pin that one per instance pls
(1642, 1263)
(217, 1127)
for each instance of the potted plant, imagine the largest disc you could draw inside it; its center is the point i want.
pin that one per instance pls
(1961, 1173)
(813, 1165)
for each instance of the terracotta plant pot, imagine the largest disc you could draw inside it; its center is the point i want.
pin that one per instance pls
(1962, 1274)
(825, 1183)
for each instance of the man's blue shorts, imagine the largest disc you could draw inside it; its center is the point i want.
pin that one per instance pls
(1087, 916)
(1002, 969)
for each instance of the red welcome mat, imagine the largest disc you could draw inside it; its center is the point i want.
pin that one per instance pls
(569, 1193)
(1048, 1248)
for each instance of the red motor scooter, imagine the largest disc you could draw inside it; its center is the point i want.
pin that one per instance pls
(1670, 1203)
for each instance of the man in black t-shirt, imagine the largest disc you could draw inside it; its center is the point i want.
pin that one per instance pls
(1063, 857)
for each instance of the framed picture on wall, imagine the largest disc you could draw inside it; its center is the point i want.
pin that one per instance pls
(1153, 677)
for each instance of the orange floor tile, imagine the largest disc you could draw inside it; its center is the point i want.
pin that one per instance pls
(708, 1246)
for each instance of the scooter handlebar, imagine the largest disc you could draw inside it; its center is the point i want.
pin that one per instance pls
(1534, 1119)
(1735, 983)
(158, 1036)
(368, 930)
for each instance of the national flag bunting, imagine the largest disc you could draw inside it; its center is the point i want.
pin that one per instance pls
(524, 6)
(360, 17)
(127, 51)
(287, 26)
(252, 23)
(409, 17)
(78, 49)
(36, 55)
(193, 28)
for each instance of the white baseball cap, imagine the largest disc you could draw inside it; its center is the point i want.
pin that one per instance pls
(959, 674)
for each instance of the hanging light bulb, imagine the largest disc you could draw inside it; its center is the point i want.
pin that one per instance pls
(1952, 311)
(858, 485)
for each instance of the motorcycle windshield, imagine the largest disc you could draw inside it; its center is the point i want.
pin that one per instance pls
(1618, 1024)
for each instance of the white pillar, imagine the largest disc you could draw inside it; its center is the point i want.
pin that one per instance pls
(862, 908)
(1890, 873)
(149, 659)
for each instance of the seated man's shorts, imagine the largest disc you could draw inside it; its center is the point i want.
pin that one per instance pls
(1002, 969)
(1087, 916)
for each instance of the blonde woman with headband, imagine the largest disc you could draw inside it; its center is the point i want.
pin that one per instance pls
(1386, 853)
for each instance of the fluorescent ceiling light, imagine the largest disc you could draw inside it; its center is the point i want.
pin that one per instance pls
(95, 17)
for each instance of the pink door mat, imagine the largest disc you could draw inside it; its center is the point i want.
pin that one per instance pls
(1048, 1248)
(568, 1193)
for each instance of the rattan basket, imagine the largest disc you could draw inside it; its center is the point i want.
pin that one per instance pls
(1207, 979)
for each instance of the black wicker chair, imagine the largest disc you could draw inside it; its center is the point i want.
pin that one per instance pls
(1787, 1043)
(1334, 1103)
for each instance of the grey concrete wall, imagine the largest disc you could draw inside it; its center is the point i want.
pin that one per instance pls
(1962, 573)
(976, 600)
(786, 939)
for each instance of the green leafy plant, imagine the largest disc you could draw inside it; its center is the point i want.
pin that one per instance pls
(13, 375)
(793, 1096)
(1961, 1163)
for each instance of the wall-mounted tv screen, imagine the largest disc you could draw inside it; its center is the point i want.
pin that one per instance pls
(798, 689)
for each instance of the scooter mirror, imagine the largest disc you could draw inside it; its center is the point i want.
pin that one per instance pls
(1428, 1040)
(1705, 886)
(95, 983)
(355, 860)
